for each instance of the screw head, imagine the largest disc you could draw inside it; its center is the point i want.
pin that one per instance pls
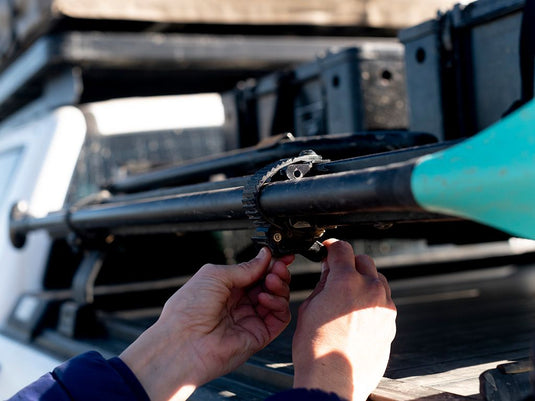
(277, 237)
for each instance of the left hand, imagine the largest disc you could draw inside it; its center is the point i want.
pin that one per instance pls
(213, 324)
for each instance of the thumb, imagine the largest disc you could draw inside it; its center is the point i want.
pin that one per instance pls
(246, 273)
(340, 257)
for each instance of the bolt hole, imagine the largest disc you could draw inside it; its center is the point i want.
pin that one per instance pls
(386, 76)
(336, 81)
(420, 55)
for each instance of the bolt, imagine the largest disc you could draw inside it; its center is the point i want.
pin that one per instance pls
(383, 226)
(277, 237)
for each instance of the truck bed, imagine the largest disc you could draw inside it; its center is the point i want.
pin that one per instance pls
(451, 328)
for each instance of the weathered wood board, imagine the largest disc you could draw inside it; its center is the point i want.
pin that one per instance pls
(21, 20)
(375, 13)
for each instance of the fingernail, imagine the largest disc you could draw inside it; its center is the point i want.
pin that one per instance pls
(262, 253)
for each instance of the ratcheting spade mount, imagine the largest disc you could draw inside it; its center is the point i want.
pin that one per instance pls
(282, 235)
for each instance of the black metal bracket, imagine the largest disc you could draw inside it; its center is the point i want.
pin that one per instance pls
(283, 236)
(83, 282)
(77, 317)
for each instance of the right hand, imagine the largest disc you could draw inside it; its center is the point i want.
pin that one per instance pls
(345, 327)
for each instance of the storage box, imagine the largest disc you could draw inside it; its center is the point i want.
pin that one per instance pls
(355, 89)
(463, 68)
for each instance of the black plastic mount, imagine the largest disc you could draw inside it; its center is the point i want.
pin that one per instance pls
(282, 235)
(18, 211)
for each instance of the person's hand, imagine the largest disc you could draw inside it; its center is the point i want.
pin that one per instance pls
(345, 327)
(213, 324)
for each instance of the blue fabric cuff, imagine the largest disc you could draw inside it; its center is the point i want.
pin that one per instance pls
(91, 377)
(304, 394)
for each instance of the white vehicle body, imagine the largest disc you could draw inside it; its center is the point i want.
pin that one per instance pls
(36, 164)
(38, 157)
(37, 160)
(16, 358)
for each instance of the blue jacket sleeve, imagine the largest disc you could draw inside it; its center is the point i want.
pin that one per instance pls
(86, 377)
(304, 394)
(90, 377)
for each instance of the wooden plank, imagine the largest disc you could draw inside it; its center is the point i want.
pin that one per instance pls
(462, 380)
(366, 13)
(397, 390)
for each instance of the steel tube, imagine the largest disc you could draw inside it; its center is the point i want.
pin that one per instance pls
(353, 192)
(379, 191)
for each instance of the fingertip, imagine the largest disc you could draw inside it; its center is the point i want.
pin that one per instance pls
(263, 253)
(273, 303)
(383, 280)
(363, 258)
(276, 285)
(265, 297)
(330, 241)
(247, 273)
(263, 257)
(340, 256)
(366, 265)
(282, 271)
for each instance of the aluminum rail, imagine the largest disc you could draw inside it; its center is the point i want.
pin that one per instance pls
(335, 198)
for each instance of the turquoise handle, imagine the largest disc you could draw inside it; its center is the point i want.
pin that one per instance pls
(488, 178)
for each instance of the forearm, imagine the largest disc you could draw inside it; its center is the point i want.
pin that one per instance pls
(329, 375)
(163, 364)
(211, 325)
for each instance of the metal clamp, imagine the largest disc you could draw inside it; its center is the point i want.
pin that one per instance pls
(281, 235)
